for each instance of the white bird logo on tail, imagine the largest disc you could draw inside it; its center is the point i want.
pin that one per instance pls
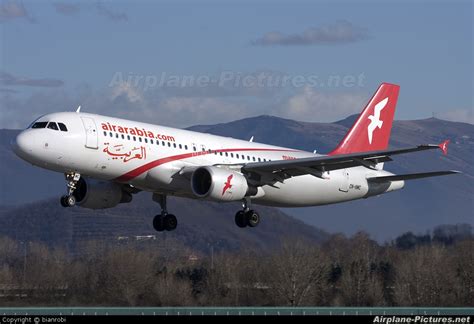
(375, 121)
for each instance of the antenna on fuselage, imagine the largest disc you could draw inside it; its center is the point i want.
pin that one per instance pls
(78, 110)
(251, 139)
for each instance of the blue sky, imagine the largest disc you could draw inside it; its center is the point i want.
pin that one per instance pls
(58, 55)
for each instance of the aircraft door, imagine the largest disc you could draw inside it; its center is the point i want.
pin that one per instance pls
(92, 139)
(344, 185)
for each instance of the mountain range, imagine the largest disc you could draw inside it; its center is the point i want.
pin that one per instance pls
(420, 206)
(201, 225)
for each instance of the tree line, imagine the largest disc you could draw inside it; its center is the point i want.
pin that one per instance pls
(343, 271)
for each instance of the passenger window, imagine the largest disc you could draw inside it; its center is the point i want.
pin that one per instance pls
(105, 133)
(151, 141)
(163, 143)
(39, 125)
(226, 154)
(194, 148)
(62, 127)
(169, 144)
(174, 145)
(253, 157)
(231, 155)
(185, 147)
(237, 156)
(180, 146)
(116, 135)
(123, 136)
(52, 125)
(146, 140)
(220, 153)
(248, 157)
(139, 139)
(128, 137)
(111, 135)
(134, 138)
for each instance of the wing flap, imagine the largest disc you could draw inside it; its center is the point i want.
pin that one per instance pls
(411, 176)
(332, 162)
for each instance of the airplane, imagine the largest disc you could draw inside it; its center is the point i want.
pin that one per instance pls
(107, 160)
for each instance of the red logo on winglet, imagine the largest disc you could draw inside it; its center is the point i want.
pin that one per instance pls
(227, 184)
(444, 147)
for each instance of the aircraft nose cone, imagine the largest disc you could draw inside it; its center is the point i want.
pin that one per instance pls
(21, 146)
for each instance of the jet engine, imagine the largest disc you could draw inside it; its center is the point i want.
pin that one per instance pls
(96, 194)
(220, 184)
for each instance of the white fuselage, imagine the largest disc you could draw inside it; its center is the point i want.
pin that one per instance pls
(149, 157)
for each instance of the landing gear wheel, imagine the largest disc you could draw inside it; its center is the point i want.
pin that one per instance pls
(68, 201)
(72, 179)
(240, 219)
(252, 218)
(170, 222)
(158, 223)
(164, 221)
(63, 201)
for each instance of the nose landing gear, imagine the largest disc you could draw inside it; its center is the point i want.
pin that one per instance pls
(69, 200)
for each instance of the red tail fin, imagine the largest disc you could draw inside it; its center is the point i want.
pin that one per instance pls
(444, 147)
(371, 131)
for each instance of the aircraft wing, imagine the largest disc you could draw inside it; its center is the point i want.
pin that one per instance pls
(266, 172)
(411, 176)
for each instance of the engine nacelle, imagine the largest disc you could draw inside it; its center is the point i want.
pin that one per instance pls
(96, 194)
(220, 184)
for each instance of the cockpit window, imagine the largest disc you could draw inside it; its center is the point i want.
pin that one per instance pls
(62, 127)
(39, 125)
(52, 125)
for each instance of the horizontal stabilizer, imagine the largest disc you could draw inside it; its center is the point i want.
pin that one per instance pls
(411, 176)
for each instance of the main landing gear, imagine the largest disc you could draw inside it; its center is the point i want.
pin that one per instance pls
(69, 200)
(247, 216)
(164, 221)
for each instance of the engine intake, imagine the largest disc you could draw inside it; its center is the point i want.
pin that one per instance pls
(96, 194)
(220, 184)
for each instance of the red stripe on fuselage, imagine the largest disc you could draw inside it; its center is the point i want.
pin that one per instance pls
(141, 169)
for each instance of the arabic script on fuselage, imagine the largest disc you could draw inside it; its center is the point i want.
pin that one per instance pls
(119, 152)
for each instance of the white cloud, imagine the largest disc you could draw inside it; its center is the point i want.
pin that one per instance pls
(311, 104)
(125, 89)
(192, 111)
(67, 9)
(19, 113)
(126, 101)
(8, 79)
(10, 10)
(341, 32)
(110, 14)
